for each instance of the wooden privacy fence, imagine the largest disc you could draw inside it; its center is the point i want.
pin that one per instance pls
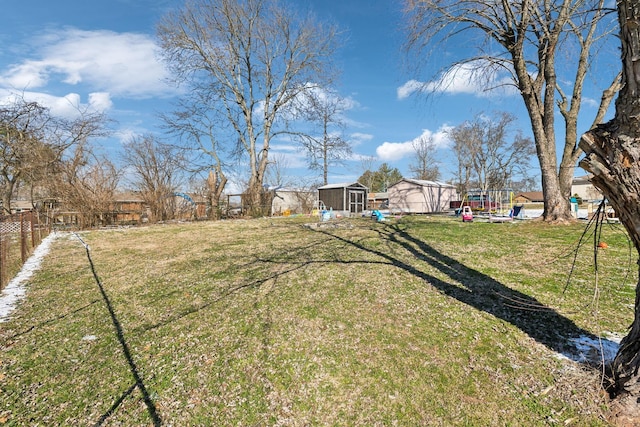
(19, 236)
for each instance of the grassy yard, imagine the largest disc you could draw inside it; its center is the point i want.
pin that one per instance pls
(416, 321)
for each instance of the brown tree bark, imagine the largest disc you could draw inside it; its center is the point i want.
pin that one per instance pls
(613, 157)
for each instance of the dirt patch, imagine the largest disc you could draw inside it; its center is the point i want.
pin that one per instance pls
(329, 225)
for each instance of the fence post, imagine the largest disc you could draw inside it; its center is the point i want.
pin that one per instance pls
(3, 260)
(33, 231)
(23, 239)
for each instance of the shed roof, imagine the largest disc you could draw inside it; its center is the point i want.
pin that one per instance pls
(425, 183)
(341, 185)
(581, 180)
(281, 189)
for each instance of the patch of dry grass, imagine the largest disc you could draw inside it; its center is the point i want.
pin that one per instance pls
(419, 321)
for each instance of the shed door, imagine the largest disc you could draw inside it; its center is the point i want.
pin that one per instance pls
(356, 201)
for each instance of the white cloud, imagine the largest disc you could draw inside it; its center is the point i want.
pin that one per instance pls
(590, 102)
(325, 97)
(29, 74)
(469, 78)
(284, 147)
(358, 138)
(125, 135)
(330, 97)
(391, 151)
(100, 101)
(409, 88)
(459, 79)
(69, 105)
(289, 153)
(122, 64)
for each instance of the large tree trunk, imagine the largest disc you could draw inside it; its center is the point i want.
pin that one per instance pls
(540, 110)
(255, 197)
(613, 157)
(216, 183)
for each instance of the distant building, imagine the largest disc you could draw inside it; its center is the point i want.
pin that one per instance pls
(18, 206)
(529, 197)
(286, 201)
(581, 186)
(378, 200)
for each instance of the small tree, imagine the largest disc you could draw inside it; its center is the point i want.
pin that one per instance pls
(277, 171)
(485, 153)
(424, 165)
(325, 145)
(367, 164)
(33, 142)
(86, 184)
(155, 172)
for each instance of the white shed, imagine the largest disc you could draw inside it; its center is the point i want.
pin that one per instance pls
(419, 196)
(292, 201)
(583, 188)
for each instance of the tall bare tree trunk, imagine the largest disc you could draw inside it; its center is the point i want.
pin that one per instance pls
(216, 183)
(613, 157)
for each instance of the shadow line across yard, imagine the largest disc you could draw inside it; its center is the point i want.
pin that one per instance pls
(139, 383)
(476, 289)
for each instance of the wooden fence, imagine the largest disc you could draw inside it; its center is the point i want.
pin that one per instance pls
(20, 234)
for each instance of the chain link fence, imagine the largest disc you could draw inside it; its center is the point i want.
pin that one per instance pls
(20, 234)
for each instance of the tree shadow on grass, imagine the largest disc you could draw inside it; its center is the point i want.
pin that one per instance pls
(478, 290)
(224, 293)
(135, 372)
(469, 286)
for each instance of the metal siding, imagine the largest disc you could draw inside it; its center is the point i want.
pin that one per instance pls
(413, 198)
(338, 198)
(332, 198)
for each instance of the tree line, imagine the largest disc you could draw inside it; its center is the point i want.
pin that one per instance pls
(489, 155)
(49, 159)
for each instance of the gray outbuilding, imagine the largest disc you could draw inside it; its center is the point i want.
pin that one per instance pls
(348, 198)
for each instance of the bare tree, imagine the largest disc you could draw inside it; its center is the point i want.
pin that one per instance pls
(33, 142)
(155, 172)
(613, 157)
(325, 145)
(195, 124)
(464, 158)
(277, 170)
(251, 58)
(367, 165)
(85, 184)
(486, 154)
(524, 39)
(424, 165)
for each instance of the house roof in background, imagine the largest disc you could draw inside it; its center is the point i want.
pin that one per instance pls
(534, 196)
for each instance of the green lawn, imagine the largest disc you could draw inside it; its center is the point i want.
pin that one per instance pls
(414, 321)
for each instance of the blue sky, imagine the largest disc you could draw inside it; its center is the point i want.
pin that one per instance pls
(102, 53)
